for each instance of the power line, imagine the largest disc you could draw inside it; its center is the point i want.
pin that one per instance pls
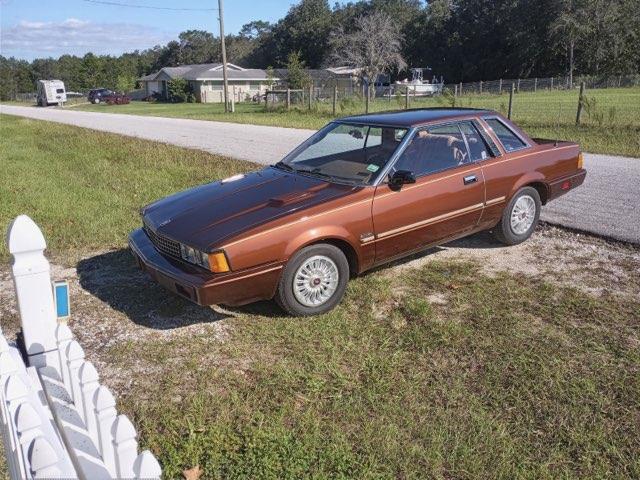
(150, 7)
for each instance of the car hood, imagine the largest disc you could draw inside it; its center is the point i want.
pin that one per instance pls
(204, 216)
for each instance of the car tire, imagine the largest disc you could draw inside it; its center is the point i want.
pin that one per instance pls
(96, 101)
(520, 217)
(321, 270)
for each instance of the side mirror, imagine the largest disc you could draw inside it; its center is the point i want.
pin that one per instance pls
(401, 177)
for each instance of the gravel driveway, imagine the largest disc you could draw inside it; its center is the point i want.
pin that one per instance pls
(608, 204)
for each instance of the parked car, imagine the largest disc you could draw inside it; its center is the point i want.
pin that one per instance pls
(97, 95)
(116, 99)
(361, 192)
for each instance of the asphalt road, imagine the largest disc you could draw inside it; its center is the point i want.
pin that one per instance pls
(608, 204)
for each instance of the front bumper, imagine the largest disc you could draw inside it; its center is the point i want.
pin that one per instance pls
(200, 286)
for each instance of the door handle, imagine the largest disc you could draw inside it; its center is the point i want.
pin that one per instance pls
(470, 179)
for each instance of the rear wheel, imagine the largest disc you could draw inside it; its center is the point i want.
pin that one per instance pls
(520, 218)
(314, 280)
(96, 101)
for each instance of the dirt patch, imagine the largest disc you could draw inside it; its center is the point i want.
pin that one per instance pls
(591, 264)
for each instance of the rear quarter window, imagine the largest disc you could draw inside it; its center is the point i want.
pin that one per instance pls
(510, 141)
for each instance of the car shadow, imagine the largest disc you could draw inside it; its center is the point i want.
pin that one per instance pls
(481, 240)
(484, 239)
(114, 278)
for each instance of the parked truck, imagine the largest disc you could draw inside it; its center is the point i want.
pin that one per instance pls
(51, 92)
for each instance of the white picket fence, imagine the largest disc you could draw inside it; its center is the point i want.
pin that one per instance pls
(57, 420)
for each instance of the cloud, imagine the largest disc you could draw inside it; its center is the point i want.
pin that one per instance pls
(31, 39)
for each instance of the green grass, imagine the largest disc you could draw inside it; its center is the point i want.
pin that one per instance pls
(611, 126)
(85, 187)
(508, 377)
(536, 382)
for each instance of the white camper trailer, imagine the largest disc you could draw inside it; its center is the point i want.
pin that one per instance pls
(51, 92)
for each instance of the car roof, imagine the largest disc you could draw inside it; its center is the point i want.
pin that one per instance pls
(413, 117)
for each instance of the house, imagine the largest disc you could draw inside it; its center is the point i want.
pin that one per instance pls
(206, 81)
(346, 79)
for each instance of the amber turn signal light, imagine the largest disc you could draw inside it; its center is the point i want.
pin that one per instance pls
(580, 160)
(218, 262)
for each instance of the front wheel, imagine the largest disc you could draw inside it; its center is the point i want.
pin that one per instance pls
(96, 101)
(314, 280)
(520, 218)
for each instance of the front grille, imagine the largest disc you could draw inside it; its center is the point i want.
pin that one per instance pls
(163, 244)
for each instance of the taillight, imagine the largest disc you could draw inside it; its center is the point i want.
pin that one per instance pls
(580, 160)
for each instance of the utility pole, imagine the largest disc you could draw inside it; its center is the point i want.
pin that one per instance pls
(224, 58)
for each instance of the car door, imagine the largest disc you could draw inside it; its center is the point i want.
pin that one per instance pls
(446, 199)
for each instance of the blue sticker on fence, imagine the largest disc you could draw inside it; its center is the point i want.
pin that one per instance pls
(61, 294)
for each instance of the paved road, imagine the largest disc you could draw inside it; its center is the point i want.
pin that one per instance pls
(608, 204)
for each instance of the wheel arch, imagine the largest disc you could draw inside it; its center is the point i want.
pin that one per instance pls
(534, 180)
(339, 241)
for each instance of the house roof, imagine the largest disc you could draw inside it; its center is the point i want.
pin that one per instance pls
(207, 71)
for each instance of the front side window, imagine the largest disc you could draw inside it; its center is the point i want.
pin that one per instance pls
(434, 149)
(510, 141)
(60, 90)
(346, 152)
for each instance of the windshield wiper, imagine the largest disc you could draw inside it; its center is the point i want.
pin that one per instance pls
(283, 166)
(316, 172)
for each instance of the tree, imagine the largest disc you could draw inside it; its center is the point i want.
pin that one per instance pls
(125, 83)
(255, 29)
(304, 29)
(178, 90)
(297, 77)
(374, 47)
(569, 28)
(197, 46)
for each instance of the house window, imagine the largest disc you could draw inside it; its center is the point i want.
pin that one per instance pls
(254, 85)
(216, 86)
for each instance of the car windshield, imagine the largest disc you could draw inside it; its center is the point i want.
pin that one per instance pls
(345, 152)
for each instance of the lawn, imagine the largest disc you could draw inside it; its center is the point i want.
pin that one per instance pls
(85, 187)
(611, 124)
(433, 369)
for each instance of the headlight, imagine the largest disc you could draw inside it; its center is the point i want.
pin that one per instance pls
(216, 262)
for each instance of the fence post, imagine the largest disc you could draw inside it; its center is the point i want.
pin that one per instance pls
(389, 93)
(310, 95)
(460, 91)
(511, 101)
(551, 84)
(580, 102)
(146, 466)
(266, 100)
(125, 446)
(335, 98)
(366, 101)
(500, 87)
(43, 459)
(288, 99)
(105, 410)
(480, 87)
(233, 100)
(32, 281)
(518, 87)
(535, 85)
(406, 98)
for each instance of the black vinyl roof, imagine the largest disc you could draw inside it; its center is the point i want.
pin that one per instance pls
(412, 117)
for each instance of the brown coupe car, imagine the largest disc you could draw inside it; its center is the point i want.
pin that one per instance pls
(362, 191)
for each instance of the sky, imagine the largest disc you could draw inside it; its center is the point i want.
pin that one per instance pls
(49, 28)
